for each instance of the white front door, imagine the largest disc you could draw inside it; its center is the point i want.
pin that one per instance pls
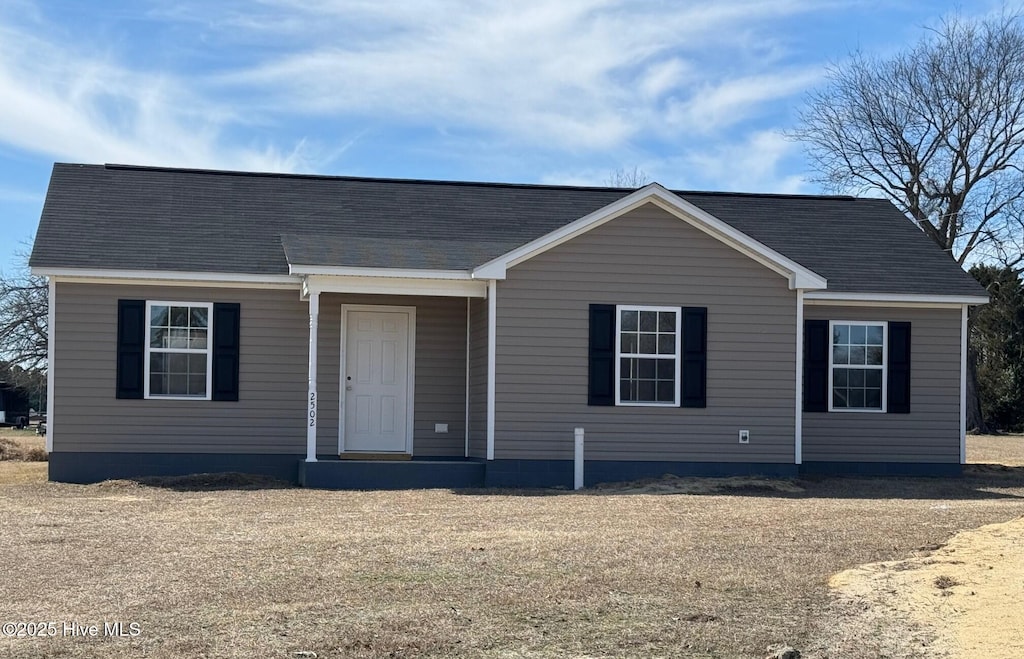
(376, 380)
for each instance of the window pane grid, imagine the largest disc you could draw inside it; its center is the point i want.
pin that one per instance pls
(178, 361)
(648, 355)
(858, 365)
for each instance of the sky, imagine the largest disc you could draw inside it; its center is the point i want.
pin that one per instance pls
(695, 94)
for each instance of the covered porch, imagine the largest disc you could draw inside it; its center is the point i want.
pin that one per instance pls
(399, 393)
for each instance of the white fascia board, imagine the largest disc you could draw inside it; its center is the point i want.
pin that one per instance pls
(168, 277)
(393, 286)
(799, 276)
(396, 273)
(892, 299)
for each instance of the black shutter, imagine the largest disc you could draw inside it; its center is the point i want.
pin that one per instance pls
(695, 357)
(602, 355)
(131, 348)
(226, 318)
(899, 368)
(816, 347)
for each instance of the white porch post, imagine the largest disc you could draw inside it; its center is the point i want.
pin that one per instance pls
(492, 333)
(314, 313)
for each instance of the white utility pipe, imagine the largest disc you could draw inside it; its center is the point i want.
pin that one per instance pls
(578, 459)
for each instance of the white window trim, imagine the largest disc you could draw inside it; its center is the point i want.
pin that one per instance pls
(885, 365)
(208, 351)
(619, 355)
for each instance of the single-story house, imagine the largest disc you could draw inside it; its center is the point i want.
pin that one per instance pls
(362, 333)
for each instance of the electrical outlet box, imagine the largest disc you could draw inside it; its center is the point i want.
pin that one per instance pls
(440, 427)
(744, 437)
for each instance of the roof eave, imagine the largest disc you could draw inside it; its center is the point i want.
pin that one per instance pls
(163, 276)
(839, 297)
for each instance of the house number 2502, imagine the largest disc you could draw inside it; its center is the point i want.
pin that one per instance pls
(312, 410)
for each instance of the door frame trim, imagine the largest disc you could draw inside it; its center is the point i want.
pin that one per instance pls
(410, 369)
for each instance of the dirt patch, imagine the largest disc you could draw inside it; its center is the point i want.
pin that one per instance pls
(967, 594)
(669, 484)
(116, 484)
(219, 481)
(228, 480)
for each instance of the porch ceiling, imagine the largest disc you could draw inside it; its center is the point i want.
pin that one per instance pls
(391, 282)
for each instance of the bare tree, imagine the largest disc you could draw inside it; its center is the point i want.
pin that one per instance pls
(23, 319)
(937, 129)
(626, 178)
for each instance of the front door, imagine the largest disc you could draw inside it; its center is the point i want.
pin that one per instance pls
(376, 383)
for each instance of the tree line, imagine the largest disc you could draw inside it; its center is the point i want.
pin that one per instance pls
(24, 336)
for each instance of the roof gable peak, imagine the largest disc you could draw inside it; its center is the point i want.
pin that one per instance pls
(799, 277)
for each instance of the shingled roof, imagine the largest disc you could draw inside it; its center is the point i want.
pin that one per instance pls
(144, 218)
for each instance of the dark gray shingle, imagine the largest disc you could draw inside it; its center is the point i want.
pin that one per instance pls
(138, 218)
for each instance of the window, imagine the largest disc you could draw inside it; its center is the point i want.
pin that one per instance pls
(857, 366)
(647, 363)
(178, 359)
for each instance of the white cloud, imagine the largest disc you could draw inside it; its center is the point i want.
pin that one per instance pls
(753, 164)
(80, 106)
(587, 176)
(18, 196)
(715, 106)
(583, 79)
(575, 74)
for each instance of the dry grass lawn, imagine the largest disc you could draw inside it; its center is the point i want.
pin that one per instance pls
(21, 445)
(21, 452)
(684, 568)
(996, 449)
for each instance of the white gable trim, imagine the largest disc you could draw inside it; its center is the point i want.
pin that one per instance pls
(799, 277)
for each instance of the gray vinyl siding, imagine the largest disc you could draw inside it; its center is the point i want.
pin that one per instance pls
(268, 417)
(646, 257)
(931, 432)
(478, 379)
(440, 386)
(270, 414)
